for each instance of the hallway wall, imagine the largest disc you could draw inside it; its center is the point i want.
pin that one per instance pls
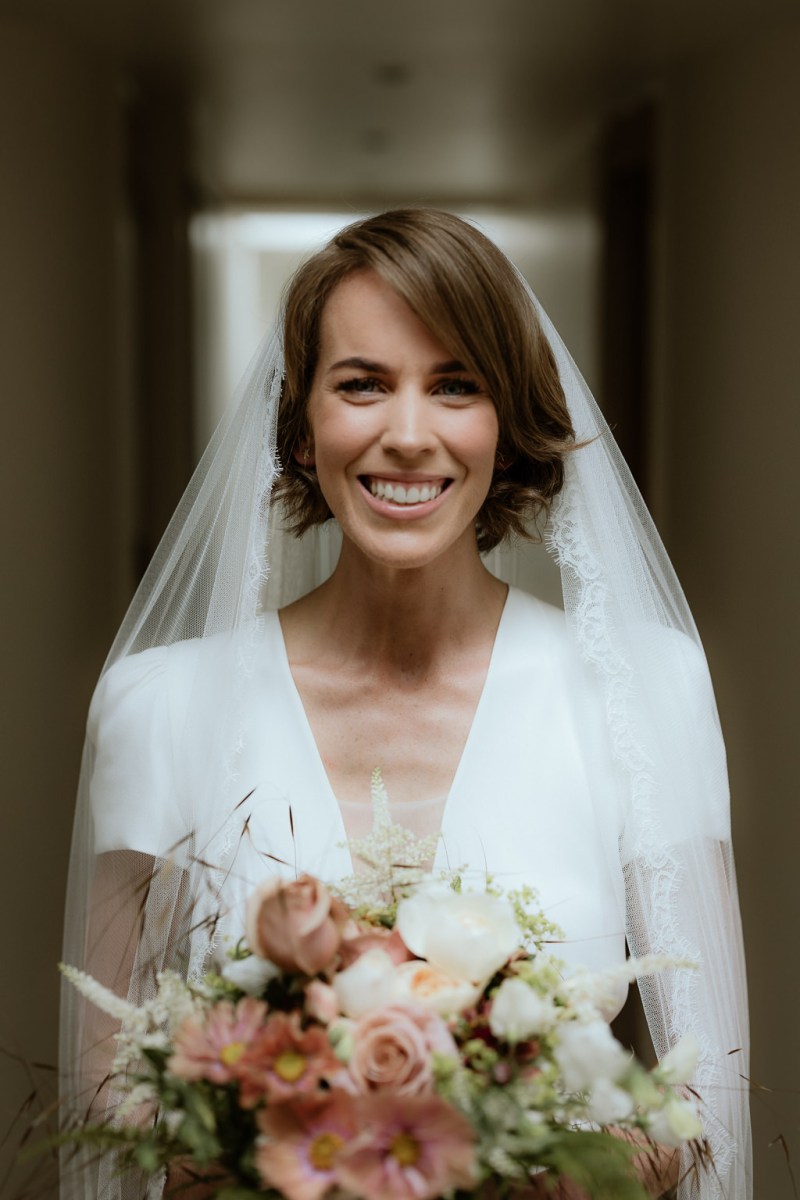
(64, 485)
(731, 418)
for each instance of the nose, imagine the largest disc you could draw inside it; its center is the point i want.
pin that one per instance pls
(409, 429)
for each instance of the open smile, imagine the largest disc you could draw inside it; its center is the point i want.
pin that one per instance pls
(404, 493)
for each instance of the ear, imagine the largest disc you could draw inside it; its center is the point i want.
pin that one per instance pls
(303, 454)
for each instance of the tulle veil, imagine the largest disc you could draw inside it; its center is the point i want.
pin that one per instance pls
(224, 559)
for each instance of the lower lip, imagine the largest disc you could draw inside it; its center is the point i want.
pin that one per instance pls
(402, 512)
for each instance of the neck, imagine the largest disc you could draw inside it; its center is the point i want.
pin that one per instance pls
(406, 620)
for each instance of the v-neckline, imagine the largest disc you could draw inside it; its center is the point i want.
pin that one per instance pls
(440, 859)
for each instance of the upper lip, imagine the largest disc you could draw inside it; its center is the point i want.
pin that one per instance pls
(404, 476)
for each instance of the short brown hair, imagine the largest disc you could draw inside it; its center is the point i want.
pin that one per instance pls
(472, 300)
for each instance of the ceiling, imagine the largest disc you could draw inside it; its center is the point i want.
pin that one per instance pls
(344, 101)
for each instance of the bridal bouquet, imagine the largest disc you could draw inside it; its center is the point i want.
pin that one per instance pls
(399, 1039)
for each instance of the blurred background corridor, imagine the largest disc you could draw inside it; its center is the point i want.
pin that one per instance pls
(164, 166)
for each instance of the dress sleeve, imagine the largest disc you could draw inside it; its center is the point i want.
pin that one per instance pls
(690, 771)
(133, 802)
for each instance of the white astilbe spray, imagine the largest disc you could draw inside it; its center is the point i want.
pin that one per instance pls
(174, 1001)
(395, 858)
(99, 995)
(144, 1093)
(501, 1161)
(144, 1027)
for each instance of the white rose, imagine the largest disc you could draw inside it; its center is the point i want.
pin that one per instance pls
(469, 935)
(679, 1064)
(608, 1103)
(251, 974)
(588, 1052)
(371, 982)
(518, 1011)
(417, 913)
(677, 1122)
(426, 985)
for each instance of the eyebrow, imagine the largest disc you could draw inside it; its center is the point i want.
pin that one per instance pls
(365, 364)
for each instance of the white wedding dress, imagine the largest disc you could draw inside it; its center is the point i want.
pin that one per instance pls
(522, 806)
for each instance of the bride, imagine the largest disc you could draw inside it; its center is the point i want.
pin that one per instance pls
(422, 400)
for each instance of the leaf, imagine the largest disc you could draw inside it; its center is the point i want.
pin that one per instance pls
(157, 1057)
(147, 1157)
(198, 1106)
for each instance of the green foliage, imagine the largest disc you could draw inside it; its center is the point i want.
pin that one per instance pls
(157, 1057)
(600, 1163)
(216, 987)
(537, 930)
(480, 1056)
(148, 1155)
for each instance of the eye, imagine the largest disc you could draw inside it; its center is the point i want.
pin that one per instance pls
(360, 385)
(454, 389)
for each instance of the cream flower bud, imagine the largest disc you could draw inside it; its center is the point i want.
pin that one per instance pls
(518, 1011)
(679, 1064)
(251, 974)
(370, 982)
(608, 1103)
(677, 1122)
(588, 1052)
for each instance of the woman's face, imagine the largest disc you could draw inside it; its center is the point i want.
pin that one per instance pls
(403, 438)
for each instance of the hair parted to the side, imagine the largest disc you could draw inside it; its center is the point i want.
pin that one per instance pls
(464, 289)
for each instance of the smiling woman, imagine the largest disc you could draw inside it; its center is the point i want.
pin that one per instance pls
(425, 403)
(471, 309)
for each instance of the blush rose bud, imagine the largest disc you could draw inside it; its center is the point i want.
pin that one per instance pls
(297, 925)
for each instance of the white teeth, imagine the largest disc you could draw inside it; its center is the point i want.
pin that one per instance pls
(398, 493)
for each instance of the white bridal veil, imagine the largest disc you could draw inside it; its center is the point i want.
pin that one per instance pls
(131, 912)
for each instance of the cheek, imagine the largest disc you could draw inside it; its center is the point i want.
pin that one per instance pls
(339, 433)
(479, 441)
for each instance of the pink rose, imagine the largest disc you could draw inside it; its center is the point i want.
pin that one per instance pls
(321, 1002)
(392, 1049)
(298, 925)
(357, 941)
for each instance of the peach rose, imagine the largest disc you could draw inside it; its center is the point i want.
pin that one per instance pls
(392, 1049)
(296, 925)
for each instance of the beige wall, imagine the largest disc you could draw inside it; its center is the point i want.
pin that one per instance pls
(731, 359)
(62, 486)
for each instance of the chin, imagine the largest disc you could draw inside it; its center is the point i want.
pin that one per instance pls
(411, 551)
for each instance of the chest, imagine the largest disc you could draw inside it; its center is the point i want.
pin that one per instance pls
(415, 730)
(524, 795)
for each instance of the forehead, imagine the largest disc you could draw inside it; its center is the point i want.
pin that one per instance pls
(365, 317)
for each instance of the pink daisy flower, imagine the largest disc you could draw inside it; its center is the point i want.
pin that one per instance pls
(299, 1151)
(212, 1047)
(285, 1062)
(411, 1148)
